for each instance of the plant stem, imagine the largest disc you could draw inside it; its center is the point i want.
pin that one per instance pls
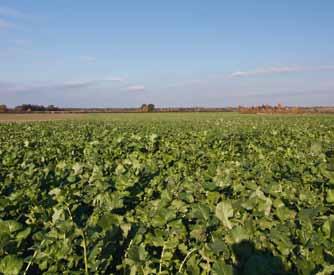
(186, 258)
(126, 252)
(85, 251)
(161, 257)
(33, 257)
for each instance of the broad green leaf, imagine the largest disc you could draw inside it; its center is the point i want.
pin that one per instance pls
(137, 253)
(11, 265)
(330, 196)
(23, 234)
(237, 234)
(220, 268)
(224, 211)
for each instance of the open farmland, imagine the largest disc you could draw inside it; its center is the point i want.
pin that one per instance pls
(179, 193)
(13, 117)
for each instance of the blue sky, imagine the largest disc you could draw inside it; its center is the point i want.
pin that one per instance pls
(170, 53)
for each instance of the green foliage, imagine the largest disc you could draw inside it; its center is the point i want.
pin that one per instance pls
(224, 211)
(168, 194)
(10, 265)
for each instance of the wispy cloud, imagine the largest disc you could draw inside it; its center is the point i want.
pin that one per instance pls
(27, 87)
(5, 24)
(280, 70)
(115, 78)
(87, 83)
(65, 85)
(76, 84)
(136, 88)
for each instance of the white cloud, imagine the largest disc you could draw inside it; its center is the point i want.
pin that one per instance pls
(84, 83)
(65, 85)
(115, 78)
(87, 83)
(38, 86)
(76, 84)
(136, 88)
(281, 70)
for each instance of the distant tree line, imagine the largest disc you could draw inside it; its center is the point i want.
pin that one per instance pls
(195, 109)
(36, 108)
(148, 108)
(24, 108)
(279, 108)
(29, 108)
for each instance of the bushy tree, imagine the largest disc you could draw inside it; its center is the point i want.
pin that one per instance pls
(147, 108)
(3, 108)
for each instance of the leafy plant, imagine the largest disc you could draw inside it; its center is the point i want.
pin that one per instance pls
(168, 194)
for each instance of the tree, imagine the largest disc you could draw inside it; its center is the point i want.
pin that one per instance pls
(147, 108)
(52, 108)
(3, 108)
(29, 108)
(150, 107)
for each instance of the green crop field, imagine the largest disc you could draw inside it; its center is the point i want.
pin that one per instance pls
(175, 193)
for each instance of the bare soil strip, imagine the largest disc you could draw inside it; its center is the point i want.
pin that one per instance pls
(37, 117)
